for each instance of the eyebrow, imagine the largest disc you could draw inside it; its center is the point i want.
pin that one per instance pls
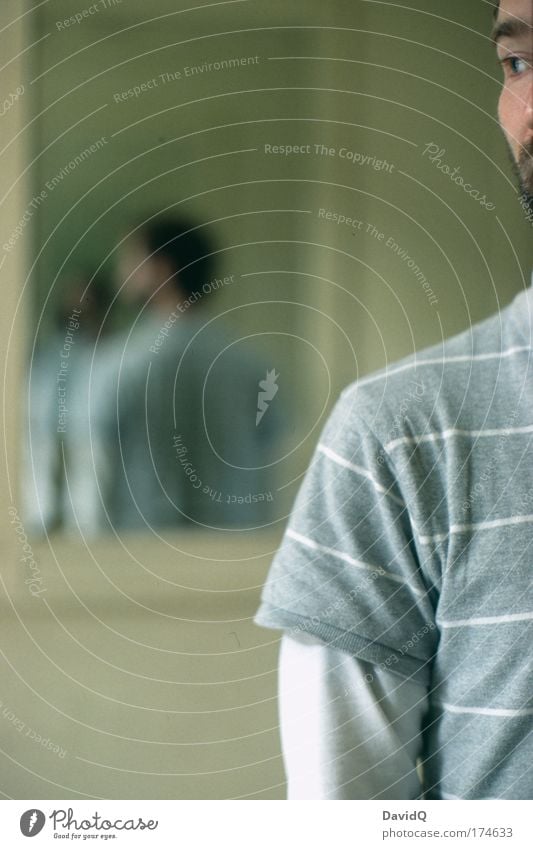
(510, 28)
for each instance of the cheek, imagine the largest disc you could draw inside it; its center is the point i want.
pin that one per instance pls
(138, 281)
(135, 271)
(509, 116)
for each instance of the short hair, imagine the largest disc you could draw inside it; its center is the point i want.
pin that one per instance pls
(184, 244)
(496, 8)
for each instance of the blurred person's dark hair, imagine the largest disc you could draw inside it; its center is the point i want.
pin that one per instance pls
(184, 244)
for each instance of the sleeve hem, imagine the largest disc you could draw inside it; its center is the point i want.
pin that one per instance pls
(406, 666)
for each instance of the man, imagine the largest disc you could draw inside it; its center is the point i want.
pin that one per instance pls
(404, 581)
(175, 402)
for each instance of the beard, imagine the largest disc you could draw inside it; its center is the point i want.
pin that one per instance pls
(524, 170)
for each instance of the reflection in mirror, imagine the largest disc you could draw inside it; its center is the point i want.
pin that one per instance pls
(176, 376)
(167, 422)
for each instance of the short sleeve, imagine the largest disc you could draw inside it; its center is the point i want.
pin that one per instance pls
(348, 569)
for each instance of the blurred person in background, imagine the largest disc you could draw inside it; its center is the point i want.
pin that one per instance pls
(174, 407)
(60, 490)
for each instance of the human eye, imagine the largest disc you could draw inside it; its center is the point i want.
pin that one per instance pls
(514, 66)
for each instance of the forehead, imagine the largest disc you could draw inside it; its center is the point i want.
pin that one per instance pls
(519, 9)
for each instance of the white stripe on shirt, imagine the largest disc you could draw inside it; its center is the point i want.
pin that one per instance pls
(435, 436)
(341, 555)
(478, 526)
(462, 358)
(485, 620)
(487, 711)
(359, 470)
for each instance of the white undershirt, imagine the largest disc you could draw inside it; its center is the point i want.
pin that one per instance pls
(349, 730)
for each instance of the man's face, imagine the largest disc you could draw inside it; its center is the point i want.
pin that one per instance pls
(514, 39)
(140, 275)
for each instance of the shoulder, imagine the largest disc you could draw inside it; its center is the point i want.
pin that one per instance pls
(454, 383)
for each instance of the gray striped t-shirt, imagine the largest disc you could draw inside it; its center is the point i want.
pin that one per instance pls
(410, 546)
